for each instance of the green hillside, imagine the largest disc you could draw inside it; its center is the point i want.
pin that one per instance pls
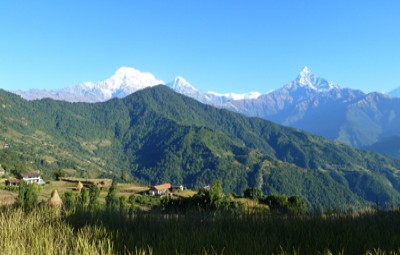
(156, 135)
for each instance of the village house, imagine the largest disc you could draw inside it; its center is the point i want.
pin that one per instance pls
(32, 178)
(29, 178)
(159, 190)
(164, 189)
(12, 182)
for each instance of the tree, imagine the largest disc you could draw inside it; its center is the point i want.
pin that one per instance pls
(297, 205)
(84, 198)
(59, 174)
(112, 201)
(70, 200)
(27, 197)
(285, 204)
(94, 193)
(218, 199)
(253, 193)
(277, 202)
(123, 203)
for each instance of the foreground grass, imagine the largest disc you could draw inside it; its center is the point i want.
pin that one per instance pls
(48, 231)
(44, 232)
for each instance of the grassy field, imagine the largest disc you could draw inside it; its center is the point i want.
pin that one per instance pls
(7, 197)
(142, 230)
(49, 231)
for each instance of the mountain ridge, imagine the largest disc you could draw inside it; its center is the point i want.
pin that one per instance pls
(125, 81)
(308, 102)
(157, 135)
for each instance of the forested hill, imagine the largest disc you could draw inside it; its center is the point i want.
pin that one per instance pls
(157, 135)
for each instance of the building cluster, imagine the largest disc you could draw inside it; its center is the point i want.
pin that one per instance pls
(164, 189)
(29, 178)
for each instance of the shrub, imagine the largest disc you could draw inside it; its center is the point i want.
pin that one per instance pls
(27, 197)
(253, 193)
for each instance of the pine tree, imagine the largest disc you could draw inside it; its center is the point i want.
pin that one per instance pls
(84, 198)
(94, 193)
(112, 201)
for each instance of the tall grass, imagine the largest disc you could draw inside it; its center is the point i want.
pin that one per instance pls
(44, 231)
(48, 231)
(223, 233)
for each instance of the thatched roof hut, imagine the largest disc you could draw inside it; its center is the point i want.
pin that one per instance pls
(55, 200)
(79, 187)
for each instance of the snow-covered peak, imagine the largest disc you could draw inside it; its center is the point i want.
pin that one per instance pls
(304, 77)
(130, 77)
(309, 80)
(123, 82)
(180, 83)
(305, 72)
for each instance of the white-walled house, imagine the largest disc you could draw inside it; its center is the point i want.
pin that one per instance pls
(32, 178)
(159, 190)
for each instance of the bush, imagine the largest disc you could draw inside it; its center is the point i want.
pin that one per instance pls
(285, 204)
(144, 200)
(27, 197)
(70, 200)
(253, 193)
(209, 200)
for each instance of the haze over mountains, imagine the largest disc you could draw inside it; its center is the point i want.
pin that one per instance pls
(309, 103)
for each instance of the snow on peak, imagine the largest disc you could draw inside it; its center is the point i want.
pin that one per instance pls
(131, 77)
(123, 82)
(305, 72)
(180, 83)
(305, 77)
(309, 80)
(235, 96)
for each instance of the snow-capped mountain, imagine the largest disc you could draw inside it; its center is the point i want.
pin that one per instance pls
(125, 81)
(181, 86)
(309, 80)
(318, 106)
(308, 102)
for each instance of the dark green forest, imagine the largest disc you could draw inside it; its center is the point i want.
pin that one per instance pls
(156, 135)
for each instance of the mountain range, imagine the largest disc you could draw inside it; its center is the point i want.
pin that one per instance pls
(315, 105)
(157, 135)
(124, 82)
(308, 103)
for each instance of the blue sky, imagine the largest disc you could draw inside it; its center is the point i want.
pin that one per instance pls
(223, 46)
